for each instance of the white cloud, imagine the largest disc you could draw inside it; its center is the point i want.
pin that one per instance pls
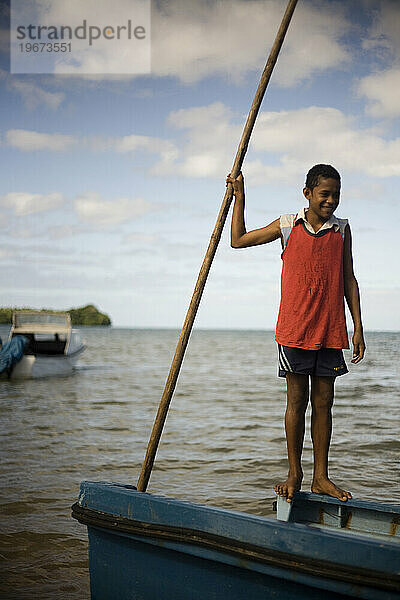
(382, 87)
(139, 238)
(207, 137)
(32, 140)
(25, 204)
(193, 39)
(95, 210)
(27, 141)
(131, 143)
(210, 137)
(284, 144)
(315, 134)
(382, 91)
(166, 149)
(33, 95)
(215, 38)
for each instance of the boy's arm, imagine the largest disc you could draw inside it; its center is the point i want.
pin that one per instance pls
(352, 295)
(240, 238)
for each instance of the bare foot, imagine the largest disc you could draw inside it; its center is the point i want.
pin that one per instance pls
(288, 488)
(326, 486)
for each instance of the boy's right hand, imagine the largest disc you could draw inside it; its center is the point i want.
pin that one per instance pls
(358, 347)
(238, 183)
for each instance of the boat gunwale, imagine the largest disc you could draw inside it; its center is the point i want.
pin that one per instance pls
(243, 550)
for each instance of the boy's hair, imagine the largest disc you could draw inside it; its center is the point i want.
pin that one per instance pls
(317, 171)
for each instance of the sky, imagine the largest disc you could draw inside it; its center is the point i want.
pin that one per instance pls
(111, 184)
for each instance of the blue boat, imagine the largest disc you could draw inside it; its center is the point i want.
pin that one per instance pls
(148, 547)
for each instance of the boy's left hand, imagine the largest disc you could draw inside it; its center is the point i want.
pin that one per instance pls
(358, 347)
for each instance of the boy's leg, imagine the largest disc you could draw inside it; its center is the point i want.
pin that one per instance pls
(297, 400)
(322, 393)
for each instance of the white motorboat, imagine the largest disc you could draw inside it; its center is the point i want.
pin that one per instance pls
(53, 347)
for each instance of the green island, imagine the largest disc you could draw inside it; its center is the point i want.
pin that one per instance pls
(87, 315)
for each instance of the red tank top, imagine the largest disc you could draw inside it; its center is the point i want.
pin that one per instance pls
(311, 313)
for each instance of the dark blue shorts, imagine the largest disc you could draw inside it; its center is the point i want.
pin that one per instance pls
(325, 362)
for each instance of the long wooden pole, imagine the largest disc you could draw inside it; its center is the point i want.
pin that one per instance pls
(209, 256)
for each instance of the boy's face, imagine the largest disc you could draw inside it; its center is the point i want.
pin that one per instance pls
(324, 198)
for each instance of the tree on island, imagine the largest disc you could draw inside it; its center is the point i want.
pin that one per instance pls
(87, 315)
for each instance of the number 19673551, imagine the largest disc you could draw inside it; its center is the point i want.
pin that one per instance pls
(45, 47)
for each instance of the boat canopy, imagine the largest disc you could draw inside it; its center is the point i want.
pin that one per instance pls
(40, 322)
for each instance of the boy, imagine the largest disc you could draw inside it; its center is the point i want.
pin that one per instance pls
(317, 274)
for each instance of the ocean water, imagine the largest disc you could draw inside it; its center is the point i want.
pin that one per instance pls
(223, 443)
